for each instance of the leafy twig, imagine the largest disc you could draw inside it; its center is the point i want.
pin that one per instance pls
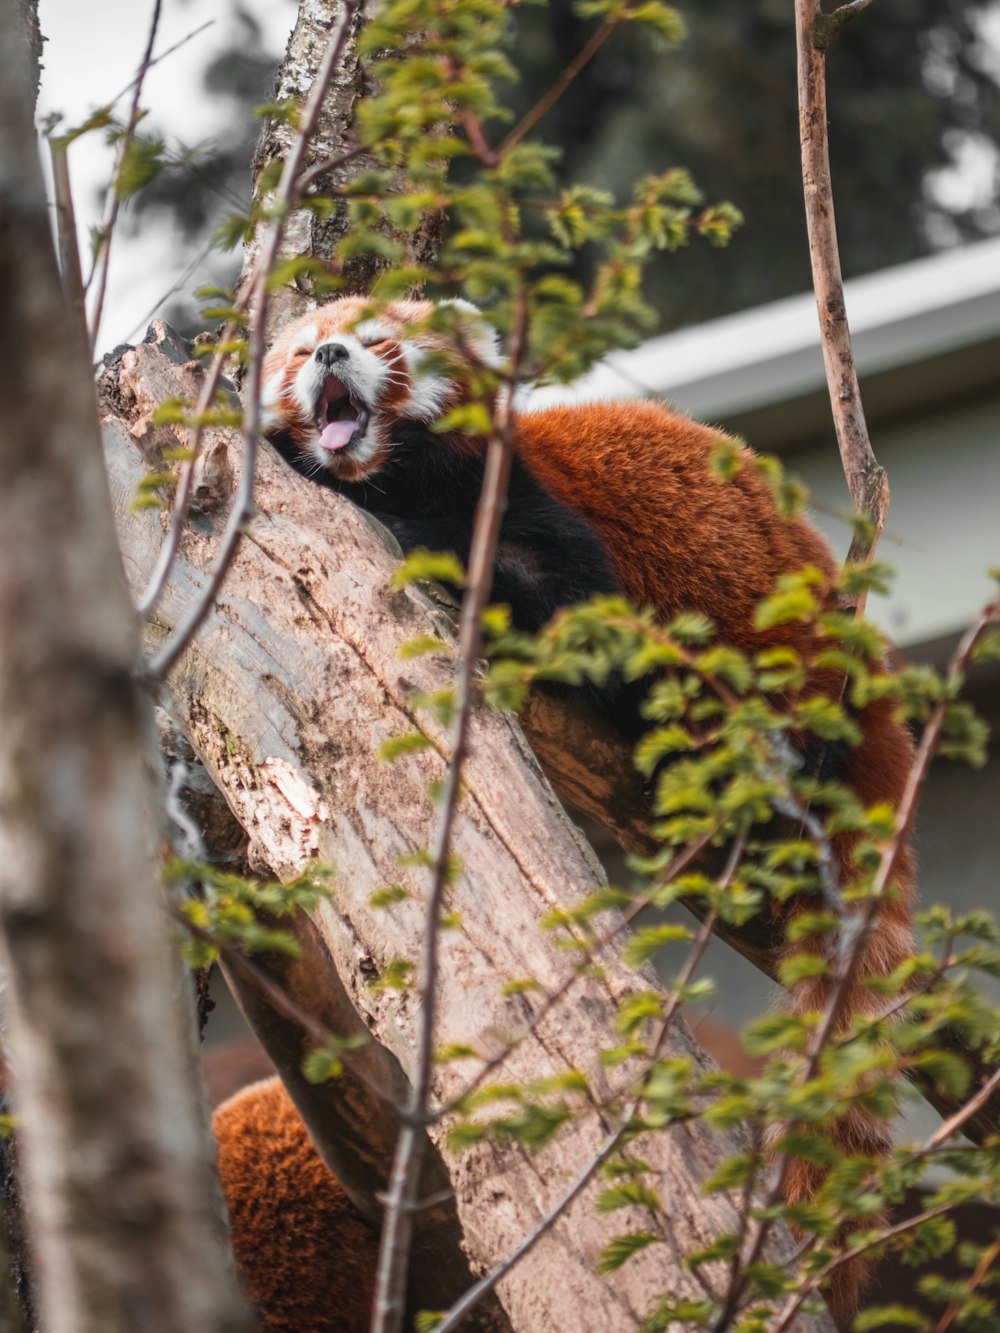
(288, 191)
(940, 1136)
(813, 1283)
(284, 1004)
(849, 957)
(395, 1247)
(553, 997)
(987, 1259)
(613, 1140)
(866, 479)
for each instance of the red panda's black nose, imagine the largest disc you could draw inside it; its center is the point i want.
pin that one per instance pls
(328, 353)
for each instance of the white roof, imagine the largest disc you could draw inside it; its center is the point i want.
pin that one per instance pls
(769, 353)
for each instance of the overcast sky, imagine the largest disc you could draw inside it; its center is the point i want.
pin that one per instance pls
(93, 50)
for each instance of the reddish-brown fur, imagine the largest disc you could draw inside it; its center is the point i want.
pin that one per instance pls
(678, 539)
(306, 1257)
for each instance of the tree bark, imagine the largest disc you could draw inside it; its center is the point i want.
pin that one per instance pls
(308, 234)
(286, 695)
(123, 1208)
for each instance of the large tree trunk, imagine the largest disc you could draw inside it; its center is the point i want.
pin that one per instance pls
(286, 695)
(307, 234)
(122, 1204)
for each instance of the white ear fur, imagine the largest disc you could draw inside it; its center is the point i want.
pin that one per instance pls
(486, 340)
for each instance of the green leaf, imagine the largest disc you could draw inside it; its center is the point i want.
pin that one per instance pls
(665, 21)
(321, 1065)
(631, 1193)
(801, 966)
(648, 940)
(391, 893)
(423, 564)
(409, 743)
(619, 1250)
(396, 975)
(465, 1134)
(878, 1316)
(422, 644)
(142, 163)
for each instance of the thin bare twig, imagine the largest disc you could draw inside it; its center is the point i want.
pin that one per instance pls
(553, 997)
(284, 1004)
(183, 41)
(613, 1140)
(114, 200)
(986, 1261)
(971, 1108)
(572, 71)
(69, 251)
(328, 164)
(286, 195)
(866, 479)
(175, 286)
(397, 1226)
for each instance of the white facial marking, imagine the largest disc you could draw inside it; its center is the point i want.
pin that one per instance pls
(363, 374)
(373, 331)
(428, 392)
(485, 340)
(308, 337)
(271, 391)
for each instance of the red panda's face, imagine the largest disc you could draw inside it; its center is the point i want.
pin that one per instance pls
(336, 384)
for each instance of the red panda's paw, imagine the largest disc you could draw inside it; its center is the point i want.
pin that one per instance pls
(306, 1257)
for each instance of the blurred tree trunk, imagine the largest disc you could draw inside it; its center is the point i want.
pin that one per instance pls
(116, 1175)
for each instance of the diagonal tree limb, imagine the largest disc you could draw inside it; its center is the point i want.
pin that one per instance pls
(866, 478)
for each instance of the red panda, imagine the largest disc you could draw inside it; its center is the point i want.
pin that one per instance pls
(319, 1275)
(603, 497)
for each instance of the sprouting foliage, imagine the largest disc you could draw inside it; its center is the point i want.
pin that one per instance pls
(225, 910)
(739, 750)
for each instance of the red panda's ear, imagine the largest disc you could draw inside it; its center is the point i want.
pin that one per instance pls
(304, 1253)
(482, 335)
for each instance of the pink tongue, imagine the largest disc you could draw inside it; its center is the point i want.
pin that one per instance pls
(337, 435)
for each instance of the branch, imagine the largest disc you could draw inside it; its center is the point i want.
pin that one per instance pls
(116, 1153)
(288, 192)
(866, 479)
(614, 1140)
(394, 1253)
(69, 253)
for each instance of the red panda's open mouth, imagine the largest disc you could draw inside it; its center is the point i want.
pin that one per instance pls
(340, 419)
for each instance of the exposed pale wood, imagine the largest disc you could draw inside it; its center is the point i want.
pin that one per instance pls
(286, 695)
